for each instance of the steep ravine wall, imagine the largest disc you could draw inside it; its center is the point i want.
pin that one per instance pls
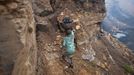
(17, 38)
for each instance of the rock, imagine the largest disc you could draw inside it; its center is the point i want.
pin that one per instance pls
(97, 73)
(12, 5)
(39, 6)
(126, 53)
(104, 57)
(54, 50)
(42, 28)
(58, 40)
(3, 2)
(3, 9)
(78, 27)
(88, 57)
(58, 37)
(102, 65)
(62, 13)
(49, 44)
(45, 13)
(41, 20)
(75, 20)
(42, 24)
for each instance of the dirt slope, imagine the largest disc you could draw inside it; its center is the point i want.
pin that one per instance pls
(97, 52)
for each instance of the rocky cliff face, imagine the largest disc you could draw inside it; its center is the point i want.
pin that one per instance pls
(17, 38)
(97, 52)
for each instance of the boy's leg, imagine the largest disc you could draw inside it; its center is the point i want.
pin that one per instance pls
(68, 59)
(70, 62)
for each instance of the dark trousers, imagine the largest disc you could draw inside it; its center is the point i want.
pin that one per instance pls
(68, 59)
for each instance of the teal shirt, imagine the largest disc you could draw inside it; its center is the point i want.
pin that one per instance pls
(68, 43)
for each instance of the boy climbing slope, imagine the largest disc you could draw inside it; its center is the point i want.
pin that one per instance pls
(68, 40)
(66, 25)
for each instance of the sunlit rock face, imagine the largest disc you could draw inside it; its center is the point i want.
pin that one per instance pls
(120, 19)
(17, 38)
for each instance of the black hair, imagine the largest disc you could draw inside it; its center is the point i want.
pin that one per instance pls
(67, 20)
